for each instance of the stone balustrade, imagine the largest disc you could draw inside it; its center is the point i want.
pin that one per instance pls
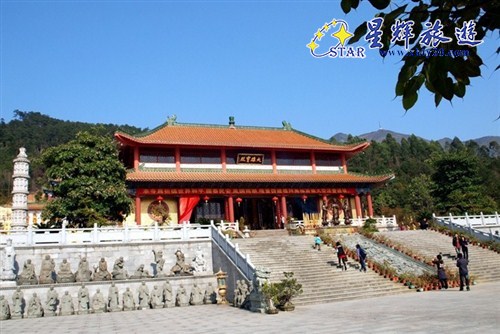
(100, 235)
(483, 227)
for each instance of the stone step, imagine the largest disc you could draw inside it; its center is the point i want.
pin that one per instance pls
(483, 262)
(337, 298)
(316, 270)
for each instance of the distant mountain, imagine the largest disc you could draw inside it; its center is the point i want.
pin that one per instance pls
(381, 134)
(377, 136)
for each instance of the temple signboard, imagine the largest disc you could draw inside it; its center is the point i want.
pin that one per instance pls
(250, 158)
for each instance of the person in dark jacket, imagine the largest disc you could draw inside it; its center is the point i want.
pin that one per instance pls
(362, 257)
(463, 271)
(464, 243)
(443, 279)
(341, 256)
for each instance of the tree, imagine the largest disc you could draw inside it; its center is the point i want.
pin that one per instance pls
(37, 132)
(458, 188)
(87, 181)
(444, 77)
(418, 197)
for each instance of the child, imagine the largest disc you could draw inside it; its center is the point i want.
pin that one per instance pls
(317, 242)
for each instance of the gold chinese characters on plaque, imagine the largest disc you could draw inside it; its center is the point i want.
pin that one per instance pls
(250, 158)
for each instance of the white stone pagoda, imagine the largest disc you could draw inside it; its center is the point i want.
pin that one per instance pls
(20, 191)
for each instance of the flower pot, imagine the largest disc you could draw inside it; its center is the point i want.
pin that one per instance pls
(288, 307)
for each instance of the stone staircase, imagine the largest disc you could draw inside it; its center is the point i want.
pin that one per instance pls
(316, 270)
(484, 264)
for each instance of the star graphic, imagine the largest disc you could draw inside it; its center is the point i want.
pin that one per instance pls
(312, 46)
(334, 22)
(319, 35)
(342, 35)
(326, 27)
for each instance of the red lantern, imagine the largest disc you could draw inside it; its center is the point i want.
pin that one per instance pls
(275, 199)
(304, 197)
(341, 196)
(159, 198)
(239, 200)
(206, 198)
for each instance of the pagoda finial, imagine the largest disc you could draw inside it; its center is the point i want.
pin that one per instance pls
(286, 125)
(171, 120)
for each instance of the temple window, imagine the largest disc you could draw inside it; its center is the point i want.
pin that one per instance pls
(200, 157)
(157, 156)
(325, 159)
(293, 158)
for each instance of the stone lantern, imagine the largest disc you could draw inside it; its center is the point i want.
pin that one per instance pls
(222, 287)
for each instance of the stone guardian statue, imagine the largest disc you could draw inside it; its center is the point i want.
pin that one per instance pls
(4, 308)
(51, 303)
(67, 306)
(8, 262)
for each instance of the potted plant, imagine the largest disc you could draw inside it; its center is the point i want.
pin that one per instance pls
(287, 289)
(270, 292)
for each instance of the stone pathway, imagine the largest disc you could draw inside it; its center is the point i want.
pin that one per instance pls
(448, 311)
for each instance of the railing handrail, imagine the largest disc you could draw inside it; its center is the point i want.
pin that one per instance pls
(474, 220)
(106, 234)
(242, 262)
(453, 224)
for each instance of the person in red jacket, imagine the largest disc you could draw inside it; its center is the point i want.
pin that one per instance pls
(341, 256)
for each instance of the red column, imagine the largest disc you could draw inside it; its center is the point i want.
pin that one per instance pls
(231, 208)
(284, 211)
(344, 164)
(226, 208)
(277, 223)
(358, 205)
(136, 158)
(138, 210)
(370, 206)
(177, 159)
(313, 162)
(223, 159)
(273, 161)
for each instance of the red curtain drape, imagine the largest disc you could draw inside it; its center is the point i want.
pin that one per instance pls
(186, 206)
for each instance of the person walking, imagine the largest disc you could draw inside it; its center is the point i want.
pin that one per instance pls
(456, 243)
(464, 243)
(362, 257)
(463, 271)
(443, 279)
(341, 256)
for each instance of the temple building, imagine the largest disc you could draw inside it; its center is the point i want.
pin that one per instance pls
(264, 176)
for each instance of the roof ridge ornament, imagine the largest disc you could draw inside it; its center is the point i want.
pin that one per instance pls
(171, 120)
(231, 122)
(286, 125)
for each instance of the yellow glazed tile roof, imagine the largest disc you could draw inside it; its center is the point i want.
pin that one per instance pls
(156, 176)
(220, 136)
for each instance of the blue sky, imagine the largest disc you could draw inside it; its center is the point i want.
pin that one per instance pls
(137, 62)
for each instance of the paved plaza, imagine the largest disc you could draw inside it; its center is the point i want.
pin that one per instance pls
(451, 311)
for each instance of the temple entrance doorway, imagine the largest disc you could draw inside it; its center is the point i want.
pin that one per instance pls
(259, 213)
